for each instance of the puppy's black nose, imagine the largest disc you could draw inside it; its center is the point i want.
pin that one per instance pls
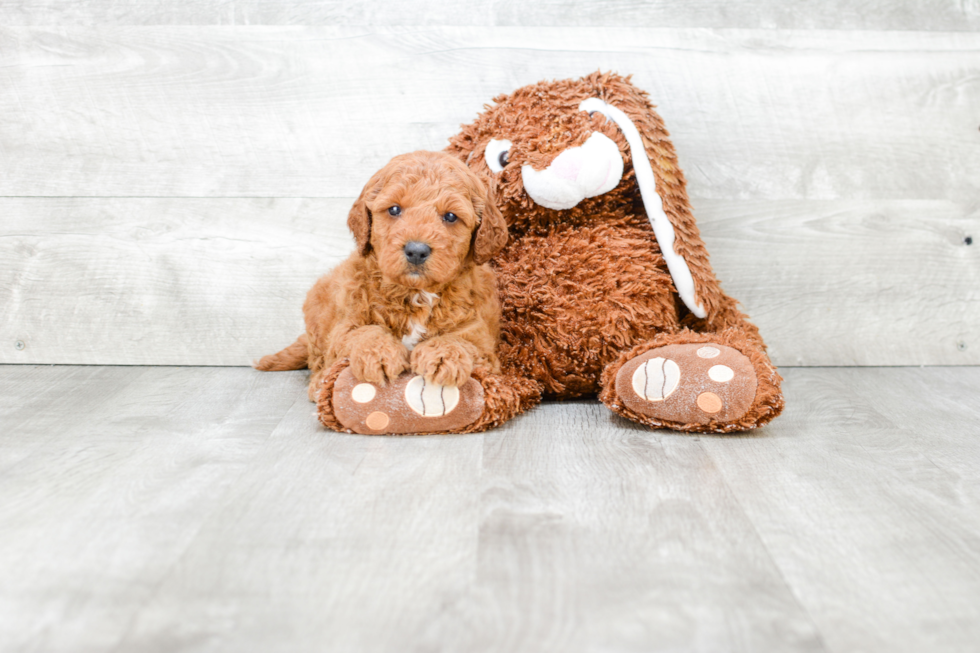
(417, 252)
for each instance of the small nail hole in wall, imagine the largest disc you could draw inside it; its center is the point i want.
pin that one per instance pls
(961, 345)
(968, 240)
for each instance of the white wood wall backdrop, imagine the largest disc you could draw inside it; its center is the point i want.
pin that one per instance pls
(170, 192)
(313, 111)
(221, 281)
(946, 15)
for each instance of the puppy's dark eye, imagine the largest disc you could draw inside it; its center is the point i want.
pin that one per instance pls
(450, 218)
(503, 158)
(395, 211)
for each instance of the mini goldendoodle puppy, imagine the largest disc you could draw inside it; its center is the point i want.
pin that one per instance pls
(395, 332)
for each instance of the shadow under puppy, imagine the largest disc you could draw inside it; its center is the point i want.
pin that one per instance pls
(401, 337)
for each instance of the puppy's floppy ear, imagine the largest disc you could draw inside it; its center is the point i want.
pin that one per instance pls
(490, 235)
(359, 218)
(359, 222)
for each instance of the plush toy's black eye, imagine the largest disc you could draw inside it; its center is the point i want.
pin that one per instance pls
(591, 113)
(497, 154)
(450, 218)
(395, 211)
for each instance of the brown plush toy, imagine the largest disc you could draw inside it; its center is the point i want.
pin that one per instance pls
(605, 283)
(605, 286)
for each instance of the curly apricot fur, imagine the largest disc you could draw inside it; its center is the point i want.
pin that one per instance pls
(444, 360)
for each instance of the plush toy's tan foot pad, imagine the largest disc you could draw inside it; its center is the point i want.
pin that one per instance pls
(689, 384)
(408, 405)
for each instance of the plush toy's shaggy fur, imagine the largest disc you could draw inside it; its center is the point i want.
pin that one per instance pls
(586, 289)
(382, 314)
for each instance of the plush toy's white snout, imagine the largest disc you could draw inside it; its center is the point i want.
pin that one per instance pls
(593, 168)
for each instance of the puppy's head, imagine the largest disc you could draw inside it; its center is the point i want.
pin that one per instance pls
(426, 216)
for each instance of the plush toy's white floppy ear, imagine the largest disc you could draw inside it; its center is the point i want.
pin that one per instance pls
(653, 203)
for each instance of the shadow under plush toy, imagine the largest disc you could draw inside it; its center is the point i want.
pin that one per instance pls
(605, 284)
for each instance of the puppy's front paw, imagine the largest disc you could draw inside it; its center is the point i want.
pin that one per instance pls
(442, 362)
(383, 361)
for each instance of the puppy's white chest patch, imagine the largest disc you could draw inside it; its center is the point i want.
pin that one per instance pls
(417, 330)
(413, 337)
(425, 298)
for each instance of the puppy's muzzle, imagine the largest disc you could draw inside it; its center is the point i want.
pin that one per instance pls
(417, 253)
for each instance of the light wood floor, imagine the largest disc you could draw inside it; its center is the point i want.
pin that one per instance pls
(203, 509)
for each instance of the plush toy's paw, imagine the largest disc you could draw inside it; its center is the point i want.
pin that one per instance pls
(688, 384)
(407, 405)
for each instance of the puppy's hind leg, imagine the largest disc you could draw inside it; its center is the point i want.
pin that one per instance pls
(293, 357)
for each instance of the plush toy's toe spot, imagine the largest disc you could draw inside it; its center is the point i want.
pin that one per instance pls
(708, 352)
(377, 421)
(363, 393)
(431, 399)
(721, 373)
(709, 402)
(656, 379)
